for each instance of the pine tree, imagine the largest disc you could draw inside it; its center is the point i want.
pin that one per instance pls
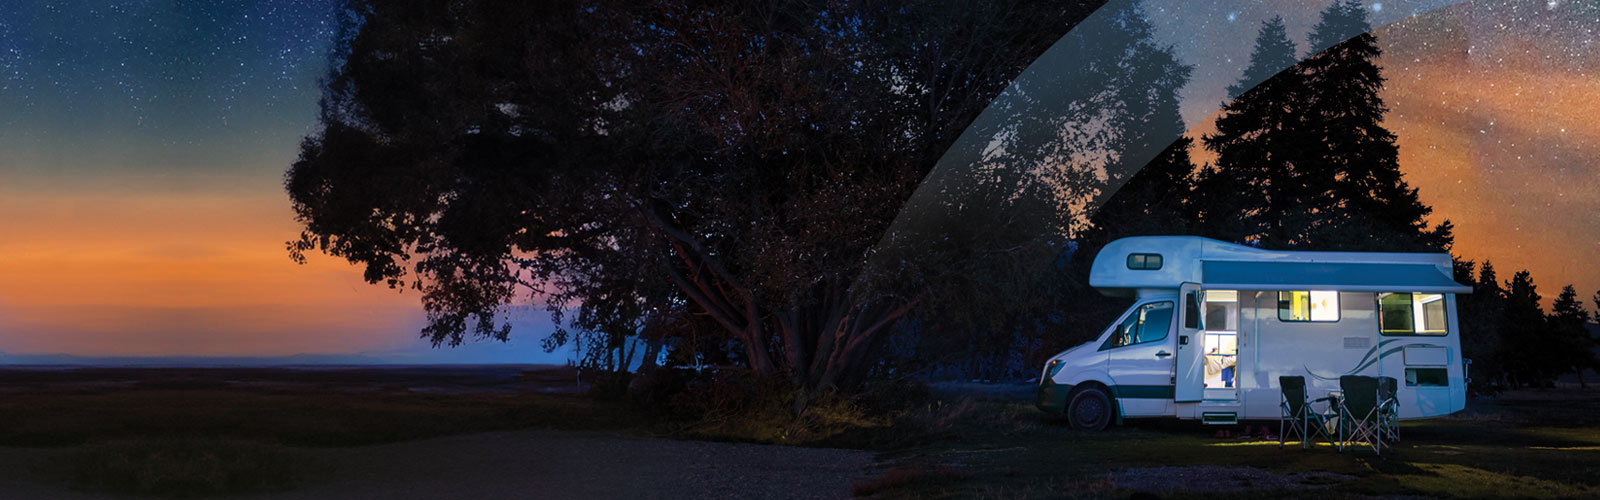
(1250, 194)
(1273, 53)
(1355, 172)
(1486, 308)
(1569, 332)
(1480, 313)
(1156, 200)
(1303, 159)
(1527, 347)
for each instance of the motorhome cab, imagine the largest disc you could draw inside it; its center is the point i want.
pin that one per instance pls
(1215, 324)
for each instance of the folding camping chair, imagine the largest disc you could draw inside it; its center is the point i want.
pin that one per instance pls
(1389, 408)
(1360, 418)
(1297, 413)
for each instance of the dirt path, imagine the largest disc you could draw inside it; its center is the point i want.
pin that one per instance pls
(556, 464)
(543, 464)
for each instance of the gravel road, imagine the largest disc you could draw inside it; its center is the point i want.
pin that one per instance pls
(558, 465)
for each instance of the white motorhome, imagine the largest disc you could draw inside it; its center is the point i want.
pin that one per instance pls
(1214, 325)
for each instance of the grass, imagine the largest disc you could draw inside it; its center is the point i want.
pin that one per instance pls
(1537, 444)
(186, 437)
(196, 438)
(293, 418)
(182, 466)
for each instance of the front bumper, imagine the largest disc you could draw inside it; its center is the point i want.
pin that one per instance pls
(1053, 397)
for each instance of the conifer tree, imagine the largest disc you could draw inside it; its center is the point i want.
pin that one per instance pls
(1354, 175)
(1249, 194)
(1303, 159)
(1488, 308)
(1273, 53)
(1527, 352)
(1570, 347)
(1480, 316)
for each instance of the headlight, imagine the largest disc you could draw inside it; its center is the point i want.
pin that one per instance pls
(1053, 368)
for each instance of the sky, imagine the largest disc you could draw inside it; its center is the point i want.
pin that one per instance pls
(1492, 103)
(144, 145)
(141, 192)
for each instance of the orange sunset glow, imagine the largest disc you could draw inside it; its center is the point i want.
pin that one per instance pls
(160, 229)
(139, 270)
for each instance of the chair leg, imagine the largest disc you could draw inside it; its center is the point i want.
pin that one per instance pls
(1305, 431)
(1343, 428)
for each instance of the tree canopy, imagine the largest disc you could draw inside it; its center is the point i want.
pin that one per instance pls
(1303, 159)
(642, 167)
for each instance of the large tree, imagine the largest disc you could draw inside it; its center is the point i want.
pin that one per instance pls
(1072, 127)
(645, 166)
(1528, 350)
(1481, 319)
(1571, 348)
(1255, 192)
(1303, 159)
(1354, 173)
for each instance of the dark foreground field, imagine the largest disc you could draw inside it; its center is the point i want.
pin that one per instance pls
(520, 431)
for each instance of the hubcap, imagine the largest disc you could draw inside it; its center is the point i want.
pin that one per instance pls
(1089, 411)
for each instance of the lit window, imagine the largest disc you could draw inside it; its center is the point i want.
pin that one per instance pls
(1222, 310)
(1144, 261)
(1316, 305)
(1411, 314)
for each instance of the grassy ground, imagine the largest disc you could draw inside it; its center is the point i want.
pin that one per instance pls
(198, 434)
(1522, 445)
(193, 433)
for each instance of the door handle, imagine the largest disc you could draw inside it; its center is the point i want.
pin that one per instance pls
(1163, 354)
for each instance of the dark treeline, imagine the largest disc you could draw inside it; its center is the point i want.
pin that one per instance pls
(720, 183)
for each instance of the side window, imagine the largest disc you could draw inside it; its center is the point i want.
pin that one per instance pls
(1148, 324)
(1157, 319)
(1126, 331)
(1144, 261)
(1411, 314)
(1191, 313)
(1315, 305)
(1427, 377)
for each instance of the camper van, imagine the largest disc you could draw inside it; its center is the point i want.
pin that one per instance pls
(1213, 325)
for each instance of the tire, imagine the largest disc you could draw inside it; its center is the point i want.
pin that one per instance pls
(1090, 409)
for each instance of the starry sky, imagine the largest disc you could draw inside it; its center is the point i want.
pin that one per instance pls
(143, 144)
(1492, 103)
(141, 188)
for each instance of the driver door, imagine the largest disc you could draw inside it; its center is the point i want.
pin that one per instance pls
(1139, 359)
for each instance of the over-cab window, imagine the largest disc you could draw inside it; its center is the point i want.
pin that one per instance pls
(1411, 314)
(1144, 261)
(1314, 305)
(1148, 324)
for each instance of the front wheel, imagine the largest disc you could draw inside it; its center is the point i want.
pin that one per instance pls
(1090, 409)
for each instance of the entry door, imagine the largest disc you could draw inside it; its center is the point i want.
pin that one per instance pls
(1190, 372)
(1139, 357)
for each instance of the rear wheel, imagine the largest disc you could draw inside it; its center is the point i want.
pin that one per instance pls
(1090, 409)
